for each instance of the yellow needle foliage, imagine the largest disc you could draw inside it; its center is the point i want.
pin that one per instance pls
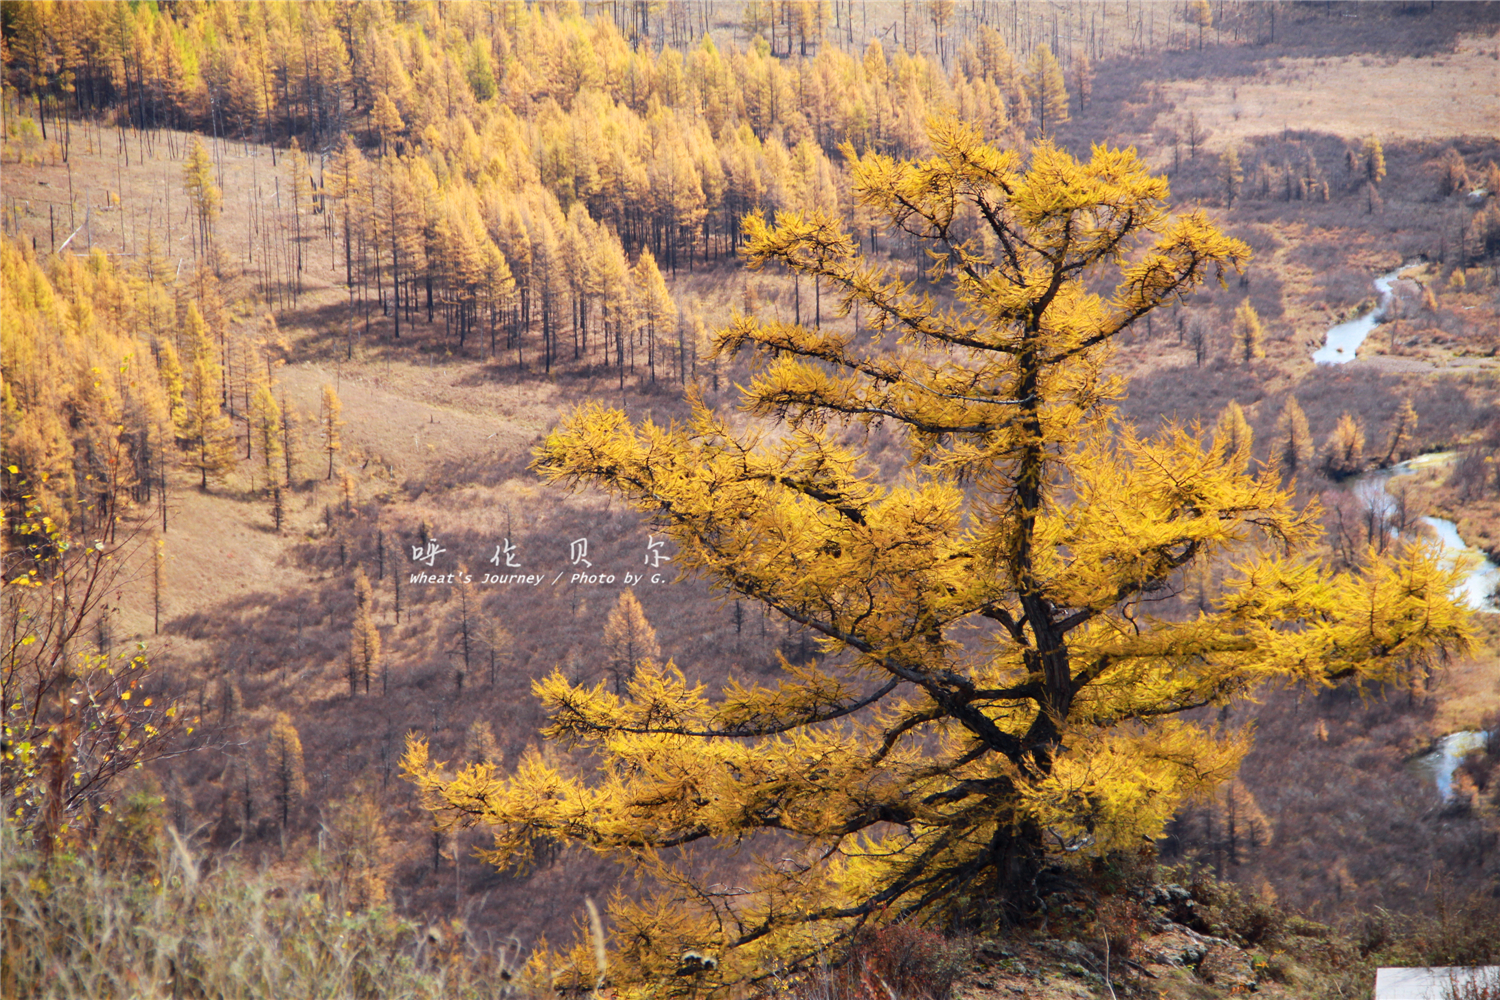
(997, 685)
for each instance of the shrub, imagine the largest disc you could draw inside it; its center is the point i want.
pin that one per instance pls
(1465, 931)
(898, 960)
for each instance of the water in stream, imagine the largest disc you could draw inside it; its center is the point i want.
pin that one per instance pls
(1479, 582)
(1442, 761)
(1342, 341)
(1481, 575)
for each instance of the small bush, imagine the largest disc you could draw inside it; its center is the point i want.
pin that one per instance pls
(896, 960)
(1224, 910)
(1280, 968)
(1463, 932)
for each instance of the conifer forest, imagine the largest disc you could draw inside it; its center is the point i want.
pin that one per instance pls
(713, 499)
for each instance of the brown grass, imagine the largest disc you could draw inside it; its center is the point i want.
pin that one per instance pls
(1429, 98)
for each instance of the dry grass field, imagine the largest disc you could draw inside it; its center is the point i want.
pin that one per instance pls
(1430, 98)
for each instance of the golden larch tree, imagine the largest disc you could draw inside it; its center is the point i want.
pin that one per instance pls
(158, 582)
(1346, 446)
(480, 746)
(286, 771)
(1294, 444)
(301, 191)
(496, 642)
(465, 621)
(654, 306)
(291, 439)
(1373, 156)
(1403, 425)
(927, 775)
(169, 371)
(1083, 78)
(1231, 175)
(1232, 433)
(1199, 13)
(1046, 89)
(358, 848)
(265, 417)
(204, 427)
(629, 639)
(1249, 334)
(203, 194)
(364, 636)
(387, 121)
(345, 181)
(329, 411)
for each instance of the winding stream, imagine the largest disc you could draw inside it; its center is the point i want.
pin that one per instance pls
(1482, 576)
(1441, 762)
(1342, 342)
(1480, 582)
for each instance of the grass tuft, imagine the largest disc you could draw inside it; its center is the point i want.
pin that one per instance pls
(75, 929)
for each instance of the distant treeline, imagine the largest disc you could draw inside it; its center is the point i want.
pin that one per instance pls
(503, 163)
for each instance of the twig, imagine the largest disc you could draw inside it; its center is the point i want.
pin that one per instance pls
(1107, 981)
(596, 931)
